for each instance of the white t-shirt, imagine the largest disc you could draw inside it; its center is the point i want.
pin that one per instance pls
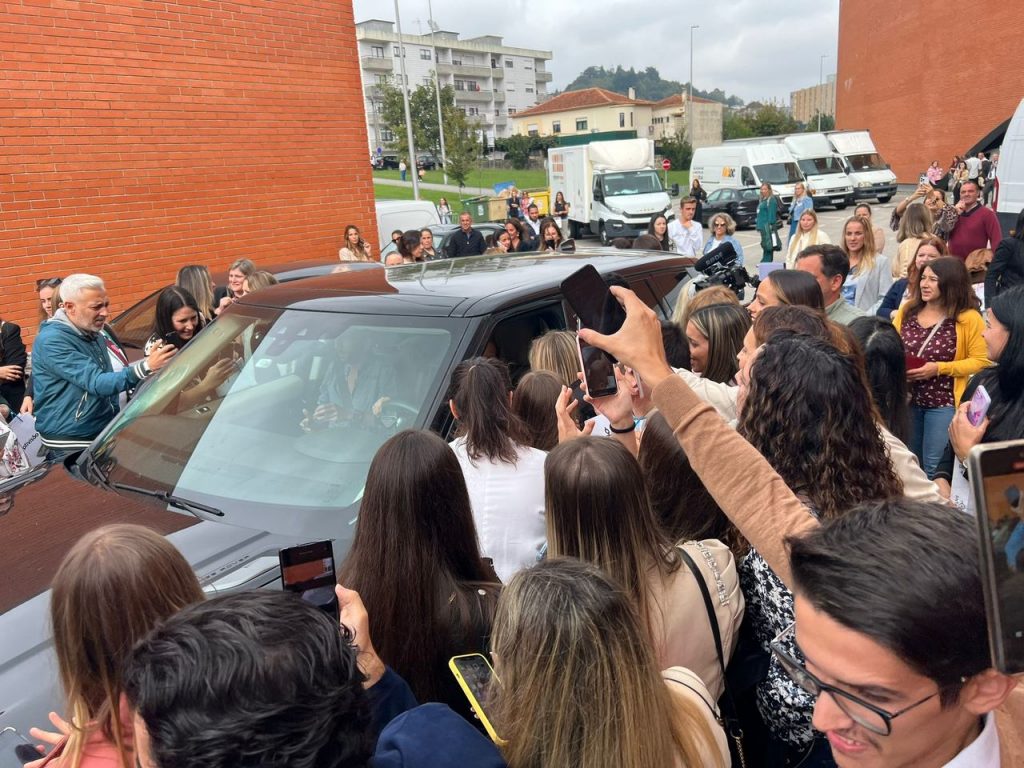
(508, 506)
(688, 242)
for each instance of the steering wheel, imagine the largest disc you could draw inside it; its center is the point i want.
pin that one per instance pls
(407, 417)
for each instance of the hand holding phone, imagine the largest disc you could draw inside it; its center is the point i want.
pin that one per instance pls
(475, 675)
(308, 570)
(979, 405)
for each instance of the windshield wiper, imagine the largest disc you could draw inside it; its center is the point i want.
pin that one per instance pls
(194, 507)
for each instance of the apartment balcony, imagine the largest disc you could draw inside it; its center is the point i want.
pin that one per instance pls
(498, 73)
(378, 63)
(500, 121)
(463, 70)
(543, 77)
(474, 96)
(499, 97)
(374, 93)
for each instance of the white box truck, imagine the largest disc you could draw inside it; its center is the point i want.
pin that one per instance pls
(741, 164)
(613, 187)
(1009, 198)
(871, 175)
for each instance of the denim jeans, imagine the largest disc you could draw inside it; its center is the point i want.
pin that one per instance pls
(929, 433)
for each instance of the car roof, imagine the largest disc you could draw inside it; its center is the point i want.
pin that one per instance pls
(461, 287)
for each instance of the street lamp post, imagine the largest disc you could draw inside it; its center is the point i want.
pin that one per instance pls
(411, 164)
(437, 89)
(689, 86)
(821, 90)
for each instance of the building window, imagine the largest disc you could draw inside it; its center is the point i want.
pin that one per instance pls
(529, 89)
(556, 126)
(456, 62)
(394, 51)
(532, 132)
(474, 111)
(425, 54)
(511, 110)
(630, 119)
(510, 89)
(527, 66)
(428, 80)
(581, 123)
(386, 136)
(494, 63)
(622, 119)
(508, 63)
(377, 51)
(383, 79)
(460, 85)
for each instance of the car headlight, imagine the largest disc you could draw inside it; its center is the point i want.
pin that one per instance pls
(863, 183)
(617, 211)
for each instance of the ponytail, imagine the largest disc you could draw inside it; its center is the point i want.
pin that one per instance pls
(480, 391)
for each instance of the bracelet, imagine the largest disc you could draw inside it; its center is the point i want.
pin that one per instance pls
(626, 431)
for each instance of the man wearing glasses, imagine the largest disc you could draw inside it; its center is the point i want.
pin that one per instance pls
(890, 637)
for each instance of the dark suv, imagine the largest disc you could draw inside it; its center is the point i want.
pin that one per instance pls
(234, 476)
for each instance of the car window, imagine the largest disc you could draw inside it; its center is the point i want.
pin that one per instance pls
(728, 194)
(307, 400)
(751, 194)
(135, 326)
(715, 196)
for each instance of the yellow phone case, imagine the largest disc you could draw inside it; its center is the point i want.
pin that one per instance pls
(473, 702)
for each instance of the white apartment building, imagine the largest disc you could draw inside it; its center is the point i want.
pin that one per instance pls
(491, 80)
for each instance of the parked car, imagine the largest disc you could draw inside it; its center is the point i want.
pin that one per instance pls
(389, 162)
(232, 479)
(135, 325)
(741, 204)
(443, 235)
(427, 162)
(403, 215)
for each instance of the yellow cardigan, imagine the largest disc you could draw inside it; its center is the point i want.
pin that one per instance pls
(971, 352)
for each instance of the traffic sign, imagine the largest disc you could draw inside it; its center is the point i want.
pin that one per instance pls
(666, 164)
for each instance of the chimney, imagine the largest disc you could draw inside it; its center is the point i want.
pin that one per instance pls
(631, 93)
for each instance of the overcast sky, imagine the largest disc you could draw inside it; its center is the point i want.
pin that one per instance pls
(752, 48)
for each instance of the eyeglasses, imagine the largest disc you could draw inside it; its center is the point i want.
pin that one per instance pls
(719, 224)
(875, 719)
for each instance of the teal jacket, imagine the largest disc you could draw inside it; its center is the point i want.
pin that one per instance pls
(767, 213)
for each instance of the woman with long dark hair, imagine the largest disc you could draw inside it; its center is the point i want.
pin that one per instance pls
(532, 403)
(789, 287)
(504, 475)
(715, 335)
(625, 540)
(941, 329)
(658, 229)
(928, 249)
(1007, 267)
(177, 320)
(417, 566)
(580, 685)
(886, 367)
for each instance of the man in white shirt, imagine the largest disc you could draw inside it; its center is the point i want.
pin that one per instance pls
(907, 670)
(533, 220)
(974, 165)
(686, 234)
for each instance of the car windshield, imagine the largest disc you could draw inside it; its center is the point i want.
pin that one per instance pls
(869, 161)
(307, 400)
(820, 165)
(632, 183)
(779, 173)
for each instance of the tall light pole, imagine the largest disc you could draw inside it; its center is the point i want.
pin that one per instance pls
(437, 88)
(411, 164)
(821, 82)
(689, 86)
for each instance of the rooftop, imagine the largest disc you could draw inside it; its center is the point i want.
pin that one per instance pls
(575, 100)
(678, 99)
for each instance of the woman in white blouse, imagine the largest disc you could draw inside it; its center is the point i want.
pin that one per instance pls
(355, 248)
(505, 477)
(807, 233)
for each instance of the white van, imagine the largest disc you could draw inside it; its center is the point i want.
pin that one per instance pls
(870, 174)
(1010, 173)
(403, 215)
(739, 164)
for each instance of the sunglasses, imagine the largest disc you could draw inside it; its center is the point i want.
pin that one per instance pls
(48, 282)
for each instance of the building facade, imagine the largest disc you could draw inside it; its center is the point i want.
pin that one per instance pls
(704, 121)
(186, 133)
(590, 110)
(932, 98)
(492, 81)
(807, 103)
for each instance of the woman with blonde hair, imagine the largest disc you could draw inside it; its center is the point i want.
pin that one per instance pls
(355, 247)
(687, 304)
(870, 275)
(259, 280)
(807, 233)
(580, 685)
(914, 225)
(555, 351)
(115, 585)
(195, 278)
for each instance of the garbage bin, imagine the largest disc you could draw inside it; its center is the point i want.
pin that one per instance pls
(542, 199)
(477, 207)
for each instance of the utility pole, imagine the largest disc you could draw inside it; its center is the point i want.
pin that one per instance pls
(437, 88)
(411, 161)
(821, 90)
(689, 86)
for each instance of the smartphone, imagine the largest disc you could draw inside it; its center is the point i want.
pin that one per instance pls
(308, 570)
(474, 675)
(996, 472)
(593, 303)
(598, 370)
(16, 750)
(978, 408)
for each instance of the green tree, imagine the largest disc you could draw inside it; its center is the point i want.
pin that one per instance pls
(517, 151)
(771, 120)
(828, 123)
(677, 150)
(423, 110)
(462, 146)
(736, 126)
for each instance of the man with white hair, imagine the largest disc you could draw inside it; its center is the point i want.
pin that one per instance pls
(75, 385)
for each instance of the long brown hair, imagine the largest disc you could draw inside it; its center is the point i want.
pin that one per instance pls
(796, 287)
(416, 563)
(579, 681)
(480, 391)
(534, 403)
(555, 351)
(114, 586)
(624, 538)
(195, 278)
(724, 326)
(913, 273)
(810, 414)
(955, 292)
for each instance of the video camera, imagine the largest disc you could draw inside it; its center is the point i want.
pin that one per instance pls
(718, 267)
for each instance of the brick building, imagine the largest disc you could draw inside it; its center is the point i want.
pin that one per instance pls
(137, 137)
(926, 95)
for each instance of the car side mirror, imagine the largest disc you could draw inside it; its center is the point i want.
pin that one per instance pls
(568, 246)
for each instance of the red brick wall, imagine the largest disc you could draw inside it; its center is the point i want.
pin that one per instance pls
(926, 83)
(139, 136)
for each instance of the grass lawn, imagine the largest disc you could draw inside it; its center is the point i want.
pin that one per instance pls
(483, 177)
(391, 192)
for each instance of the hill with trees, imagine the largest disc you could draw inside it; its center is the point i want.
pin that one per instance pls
(647, 83)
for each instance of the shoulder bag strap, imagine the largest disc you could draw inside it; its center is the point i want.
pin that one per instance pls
(708, 606)
(935, 329)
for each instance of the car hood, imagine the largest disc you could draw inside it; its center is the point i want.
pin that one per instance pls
(640, 205)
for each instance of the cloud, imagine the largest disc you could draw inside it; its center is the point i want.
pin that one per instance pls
(754, 49)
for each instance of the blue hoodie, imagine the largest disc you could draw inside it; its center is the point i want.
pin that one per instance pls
(433, 736)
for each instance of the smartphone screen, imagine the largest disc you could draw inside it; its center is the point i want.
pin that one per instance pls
(997, 480)
(15, 749)
(593, 303)
(978, 408)
(308, 570)
(474, 675)
(598, 370)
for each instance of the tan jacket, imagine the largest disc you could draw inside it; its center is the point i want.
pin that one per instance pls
(684, 684)
(766, 511)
